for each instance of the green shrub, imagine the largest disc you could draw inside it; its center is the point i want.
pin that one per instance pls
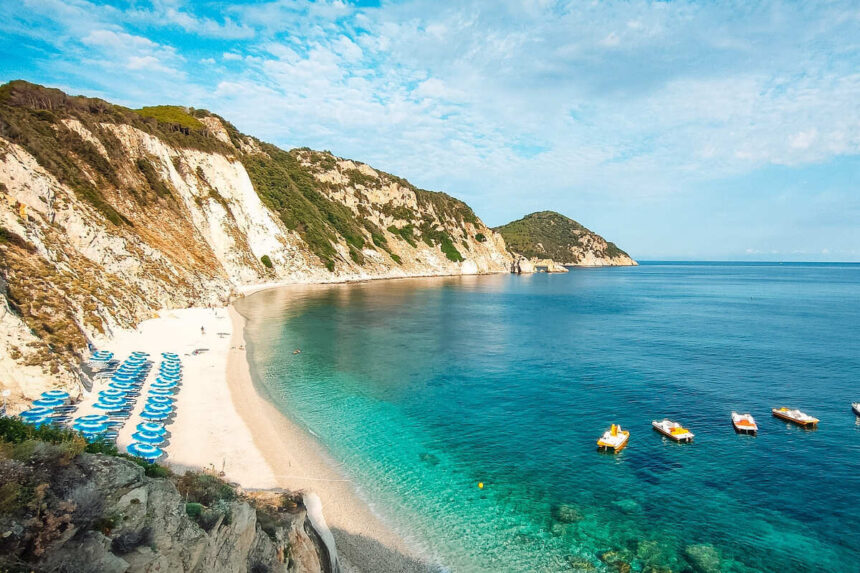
(480, 237)
(204, 488)
(194, 510)
(396, 259)
(267, 262)
(172, 114)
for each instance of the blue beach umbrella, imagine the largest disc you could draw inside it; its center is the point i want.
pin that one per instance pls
(170, 375)
(170, 355)
(161, 392)
(158, 407)
(167, 385)
(170, 369)
(154, 416)
(148, 438)
(122, 387)
(140, 354)
(165, 381)
(48, 402)
(151, 427)
(36, 412)
(145, 451)
(159, 400)
(38, 420)
(56, 394)
(90, 427)
(108, 407)
(113, 392)
(112, 400)
(92, 418)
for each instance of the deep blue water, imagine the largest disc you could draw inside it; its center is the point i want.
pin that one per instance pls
(423, 388)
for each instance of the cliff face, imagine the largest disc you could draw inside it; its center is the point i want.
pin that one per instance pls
(66, 512)
(550, 235)
(108, 215)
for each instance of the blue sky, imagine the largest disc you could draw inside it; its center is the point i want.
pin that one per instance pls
(712, 130)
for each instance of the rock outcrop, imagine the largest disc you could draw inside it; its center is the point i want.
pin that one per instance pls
(549, 235)
(101, 513)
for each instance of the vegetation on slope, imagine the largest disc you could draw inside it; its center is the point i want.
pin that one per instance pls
(292, 192)
(31, 116)
(547, 234)
(50, 497)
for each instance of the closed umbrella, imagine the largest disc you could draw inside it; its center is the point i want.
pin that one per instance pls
(145, 451)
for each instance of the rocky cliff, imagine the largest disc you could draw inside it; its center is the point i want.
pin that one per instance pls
(108, 215)
(550, 235)
(62, 510)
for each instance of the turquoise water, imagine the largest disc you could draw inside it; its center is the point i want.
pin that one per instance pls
(422, 388)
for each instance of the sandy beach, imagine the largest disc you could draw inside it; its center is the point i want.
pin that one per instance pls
(222, 423)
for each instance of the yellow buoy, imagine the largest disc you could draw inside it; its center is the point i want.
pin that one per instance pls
(480, 485)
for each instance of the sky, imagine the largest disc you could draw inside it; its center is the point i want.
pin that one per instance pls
(679, 130)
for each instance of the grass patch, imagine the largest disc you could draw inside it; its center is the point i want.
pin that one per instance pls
(267, 262)
(173, 114)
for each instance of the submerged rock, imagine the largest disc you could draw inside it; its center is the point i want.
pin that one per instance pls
(703, 558)
(566, 513)
(580, 564)
(429, 459)
(614, 561)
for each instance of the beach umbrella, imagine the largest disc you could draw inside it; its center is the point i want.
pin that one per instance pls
(164, 381)
(170, 369)
(159, 400)
(161, 392)
(170, 355)
(109, 407)
(49, 402)
(151, 427)
(112, 399)
(154, 416)
(92, 418)
(90, 427)
(152, 407)
(144, 451)
(148, 438)
(164, 384)
(122, 387)
(36, 412)
(170, 375)
(140, 354)
(38, 420)
(56, 394)
(112, 392)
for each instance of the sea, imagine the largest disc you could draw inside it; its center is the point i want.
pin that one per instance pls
(466, 411)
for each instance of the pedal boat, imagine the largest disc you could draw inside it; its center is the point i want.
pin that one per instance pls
(744, 424)
(795, 417)
(673, 430)
(614, 439)
(856, 407)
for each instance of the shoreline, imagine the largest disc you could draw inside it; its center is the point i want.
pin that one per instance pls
(226, 425)
(299, 463)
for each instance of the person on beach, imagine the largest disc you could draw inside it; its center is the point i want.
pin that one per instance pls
(202, 330)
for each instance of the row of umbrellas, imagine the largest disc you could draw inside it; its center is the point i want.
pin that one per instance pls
(44, 408)
(124, 383)
(157, 410)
